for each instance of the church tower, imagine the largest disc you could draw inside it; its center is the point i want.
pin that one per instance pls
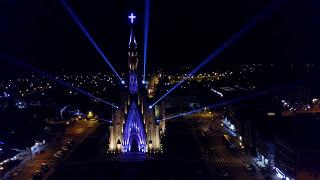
(133, 63)
(134, 128)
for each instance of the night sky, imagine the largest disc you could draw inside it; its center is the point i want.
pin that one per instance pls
(41, 33)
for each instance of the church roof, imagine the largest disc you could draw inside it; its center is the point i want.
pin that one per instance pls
(132, 37)
(134, 128)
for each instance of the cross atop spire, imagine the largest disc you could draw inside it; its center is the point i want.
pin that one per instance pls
(132, 17)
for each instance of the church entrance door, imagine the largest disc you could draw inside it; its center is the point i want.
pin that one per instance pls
(134, 146)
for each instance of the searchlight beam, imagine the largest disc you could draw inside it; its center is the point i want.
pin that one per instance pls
(252, 23)
(50, 77)
(87, 34)
(224, 103)
(146, 33)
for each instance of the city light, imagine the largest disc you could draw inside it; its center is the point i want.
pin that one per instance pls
(87, 34)
(90, 115)
(252, 23)
(248, 117)
(221, 104)
(52, 78)
(315, 100)
(281, 175)
(217, 92)
(271, 114)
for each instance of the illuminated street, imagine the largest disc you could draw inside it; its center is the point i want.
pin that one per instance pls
(76, 131)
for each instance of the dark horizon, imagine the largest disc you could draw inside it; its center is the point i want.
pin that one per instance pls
(41, 33)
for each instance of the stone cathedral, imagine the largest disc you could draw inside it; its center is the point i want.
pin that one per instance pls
(134, 127)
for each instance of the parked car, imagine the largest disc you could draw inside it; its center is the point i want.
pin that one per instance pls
(61, 153)
(57, 155)
(210, 150)
(37, 175)
(44, 167)
(250, 167)
(71, 141)
(223, 173)
(65, 148)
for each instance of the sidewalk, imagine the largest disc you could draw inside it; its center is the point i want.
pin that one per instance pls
(25, 155)
(266, 173)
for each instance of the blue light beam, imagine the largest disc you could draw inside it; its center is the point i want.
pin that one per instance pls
(87, 34)
(261, 16)
(224, 103)
(50, 77)
(146, 33)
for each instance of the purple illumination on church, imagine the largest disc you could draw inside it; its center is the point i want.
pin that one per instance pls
(129, 131)
(133, 86)
(133, 60)
(134, 135)
(133, 132)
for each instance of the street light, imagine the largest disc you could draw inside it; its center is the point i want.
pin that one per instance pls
(90, 115)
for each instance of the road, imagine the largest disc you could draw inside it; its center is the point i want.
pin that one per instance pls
(77, 131)
(182, 160)
(221, 159)
(184, 157)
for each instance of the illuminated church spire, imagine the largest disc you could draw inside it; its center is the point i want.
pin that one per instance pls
(134, 127)
(133, 58)
(132, 39)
